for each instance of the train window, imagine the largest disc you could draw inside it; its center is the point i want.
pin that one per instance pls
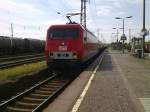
(56, 33)
(64, 33)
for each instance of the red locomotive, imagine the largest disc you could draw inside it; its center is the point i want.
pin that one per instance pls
(69, 44)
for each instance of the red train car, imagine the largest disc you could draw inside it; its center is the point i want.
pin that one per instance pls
(69, 44)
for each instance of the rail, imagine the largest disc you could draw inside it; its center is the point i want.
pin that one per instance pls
(39, 96)
(25, 60)
(16, 57)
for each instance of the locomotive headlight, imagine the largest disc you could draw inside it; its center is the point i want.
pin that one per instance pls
(74, 55)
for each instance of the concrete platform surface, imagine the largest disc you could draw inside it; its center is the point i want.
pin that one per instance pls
(137, 72)
(110, 91)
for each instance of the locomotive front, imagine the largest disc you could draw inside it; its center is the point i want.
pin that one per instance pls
(63, 46)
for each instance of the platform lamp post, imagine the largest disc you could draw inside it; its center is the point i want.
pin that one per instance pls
(117, 33)
(123, 37)
(113, 36)
(144, 31)
(117, 38)
(113, 39)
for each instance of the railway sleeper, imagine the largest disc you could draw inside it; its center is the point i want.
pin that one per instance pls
(56, 82)
(52, 86)
(13, 109)
(26, 105)
(32, 100)
(43, 92)
(47, 89)
(35, 95)
(23, 105)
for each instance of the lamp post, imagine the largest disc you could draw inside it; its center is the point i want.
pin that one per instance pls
(123, 37)
(144, 31)
(129, 38)
(113, 36)
(117, 38)
(117, 33)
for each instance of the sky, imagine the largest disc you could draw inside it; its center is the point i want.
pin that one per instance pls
(31, 18)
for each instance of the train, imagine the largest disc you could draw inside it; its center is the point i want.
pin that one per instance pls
(12, 46)
(70, 44)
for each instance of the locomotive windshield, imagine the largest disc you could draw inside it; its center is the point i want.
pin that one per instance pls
(63, 33)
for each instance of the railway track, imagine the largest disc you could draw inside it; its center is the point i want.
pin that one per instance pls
(15, 61)
(17, 57)
(37, 97)
(40, 95)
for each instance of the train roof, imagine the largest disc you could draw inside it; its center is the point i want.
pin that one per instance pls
(72, 25)
(66, 25)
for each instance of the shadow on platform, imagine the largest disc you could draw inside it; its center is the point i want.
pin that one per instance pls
(106, 64)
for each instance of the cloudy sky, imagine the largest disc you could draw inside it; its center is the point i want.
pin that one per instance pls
(31, 18)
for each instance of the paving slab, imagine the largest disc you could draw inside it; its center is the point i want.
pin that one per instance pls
(137, 72)
(109, 91)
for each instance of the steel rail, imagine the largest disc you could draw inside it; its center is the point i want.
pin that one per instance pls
(21, 62)
(10, 105)
(4, 59)
(53, 96)
(18, 97)
(38, 97)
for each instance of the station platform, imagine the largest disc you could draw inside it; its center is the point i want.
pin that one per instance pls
(120, 84)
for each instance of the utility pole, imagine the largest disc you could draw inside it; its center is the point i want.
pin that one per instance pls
(123, 36)
(129, 36)
(12, 30)
(12, 34)
(81, 17)
(117, 43)
(144, 31)
(83, 13)
(117, 35)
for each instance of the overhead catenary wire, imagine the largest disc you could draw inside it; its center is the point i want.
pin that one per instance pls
(93, 17)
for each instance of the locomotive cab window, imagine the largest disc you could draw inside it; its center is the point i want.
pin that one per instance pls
(63, 33)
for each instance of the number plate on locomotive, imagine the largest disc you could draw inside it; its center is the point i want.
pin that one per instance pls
(62, 48)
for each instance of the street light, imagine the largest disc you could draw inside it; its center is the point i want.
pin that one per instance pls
(117, 37)
(123, 37)
(117, 32)
(144, 31)
(113, 37)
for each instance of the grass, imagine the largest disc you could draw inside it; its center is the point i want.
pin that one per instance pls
(20, 70)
